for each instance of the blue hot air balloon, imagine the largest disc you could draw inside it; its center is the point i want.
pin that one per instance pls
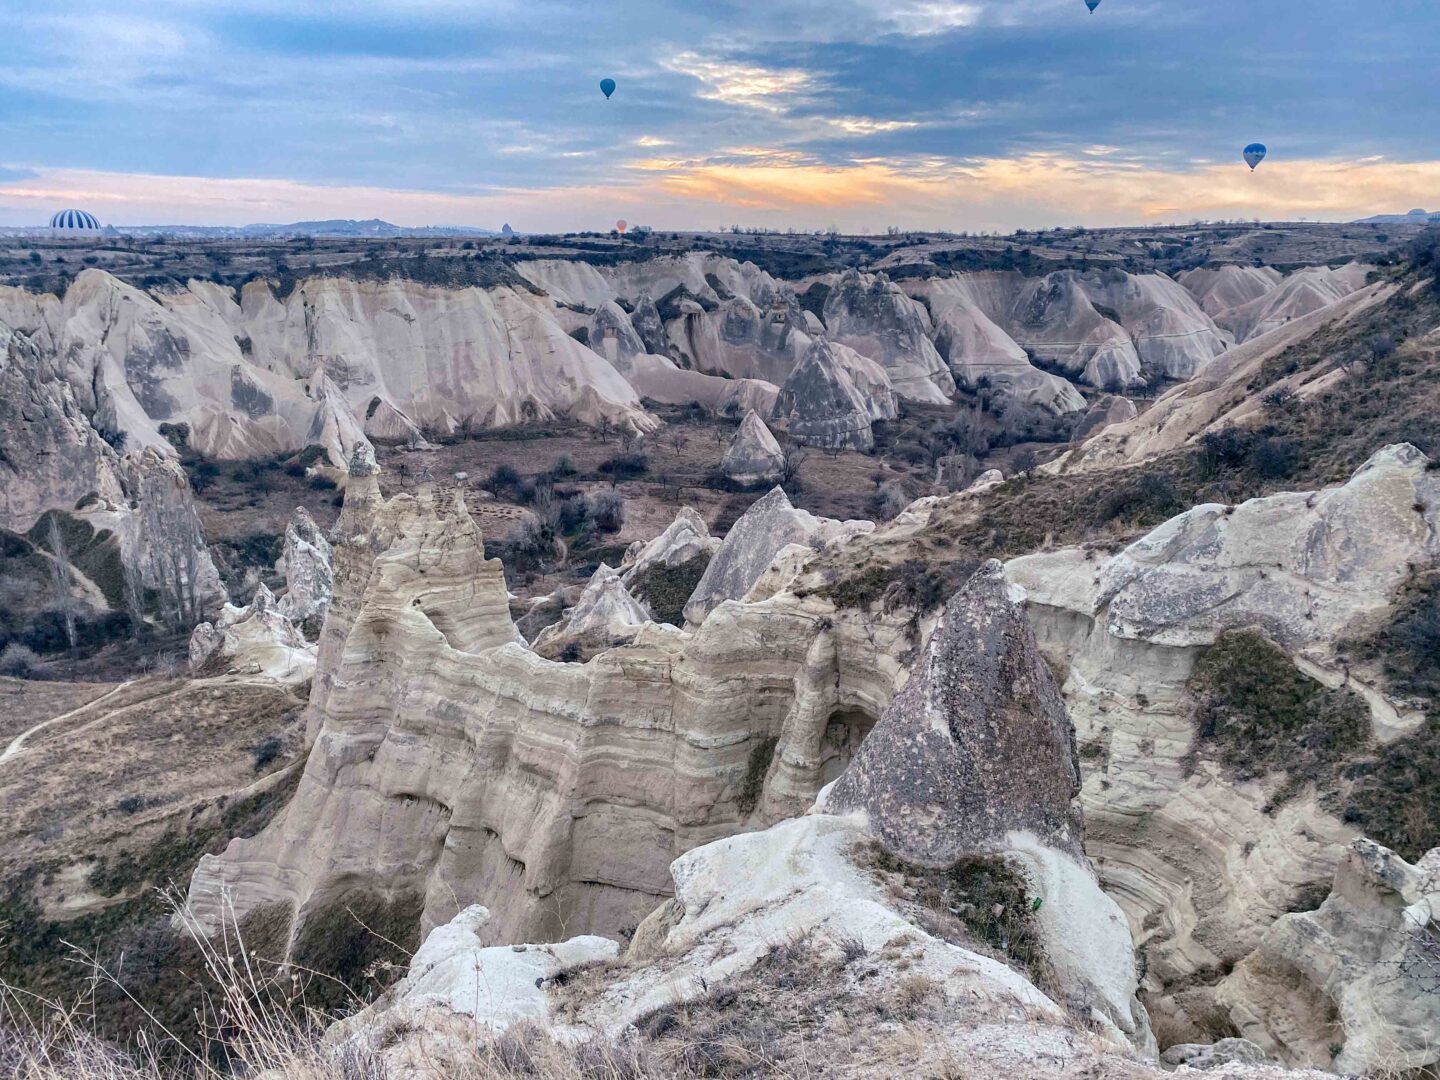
(607, 86)
(1254, 154)
(1092, 5)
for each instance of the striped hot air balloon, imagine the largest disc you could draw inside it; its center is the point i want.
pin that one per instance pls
(75, 220)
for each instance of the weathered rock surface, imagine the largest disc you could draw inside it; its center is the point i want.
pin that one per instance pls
(1221, 395)
(254, 374)
(613, 336)
(1305, 291)
(684, 539)
(1174, 338)
(1206, 1057)
(874, 317)
(1223, 289)
(771, 523)
(441, 985)
(308, 563)
(822, 405)
(980, 353)
(256, 639)
(451, 761)
(976, 757)
(1362, 973)
(753, 456)
(1307, 567)
(1202, 863)
(606, 615)
(742, 339)
(1102, 413)
(590, 286)
(802, 881)
(944, 775)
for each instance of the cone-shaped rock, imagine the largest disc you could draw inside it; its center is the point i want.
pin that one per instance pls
(976, 747)
(822, 403)
(753, 457)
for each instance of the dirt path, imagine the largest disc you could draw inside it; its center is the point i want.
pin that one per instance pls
(17, 744)
(1388, 722)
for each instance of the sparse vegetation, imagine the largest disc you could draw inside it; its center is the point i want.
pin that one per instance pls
(1259, 715)
(984, 901)
(756, 769)
(667, 588)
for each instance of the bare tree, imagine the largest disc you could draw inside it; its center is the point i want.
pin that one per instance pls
(605, 428)
(793, 456)
(676, 439)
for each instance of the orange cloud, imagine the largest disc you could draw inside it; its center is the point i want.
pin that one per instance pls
(778, 186)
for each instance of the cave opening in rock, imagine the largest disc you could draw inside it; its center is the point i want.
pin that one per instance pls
(844, 732)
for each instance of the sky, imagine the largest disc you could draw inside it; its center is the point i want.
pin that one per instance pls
(965, 115)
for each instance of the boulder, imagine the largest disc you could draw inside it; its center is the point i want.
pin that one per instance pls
(977, 747)
(753, 456)
(1206, 1057)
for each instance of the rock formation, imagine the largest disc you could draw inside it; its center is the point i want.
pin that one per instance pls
(256, 639)
(1103, 412)
(1173, 337)
(1204, 860)
(822, 404)
(450, 761)
(752, 544)
(606, 615)
(308, 563)
(980, 353)
(1222, 289)
(874, 317)
(753, 456)
(805, 880)
(257, 374)
(1301, 293)
(942, 776)
(685, 539)
(1224, 393)
(1355, 985)
(612, 335)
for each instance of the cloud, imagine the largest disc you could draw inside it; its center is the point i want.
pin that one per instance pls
(864, 125)
(770, 185)
(749, 85)
(925, 17)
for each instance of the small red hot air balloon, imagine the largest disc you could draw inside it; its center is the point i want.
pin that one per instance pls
(622, 225)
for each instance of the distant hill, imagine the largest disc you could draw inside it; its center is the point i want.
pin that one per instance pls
(1414, 217)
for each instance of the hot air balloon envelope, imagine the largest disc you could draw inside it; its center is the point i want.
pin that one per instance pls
(607, 87)
(1254, 154)
(622, 225)
(1092, 5)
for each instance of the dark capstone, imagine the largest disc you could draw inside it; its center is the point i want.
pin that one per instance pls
(977, 745)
